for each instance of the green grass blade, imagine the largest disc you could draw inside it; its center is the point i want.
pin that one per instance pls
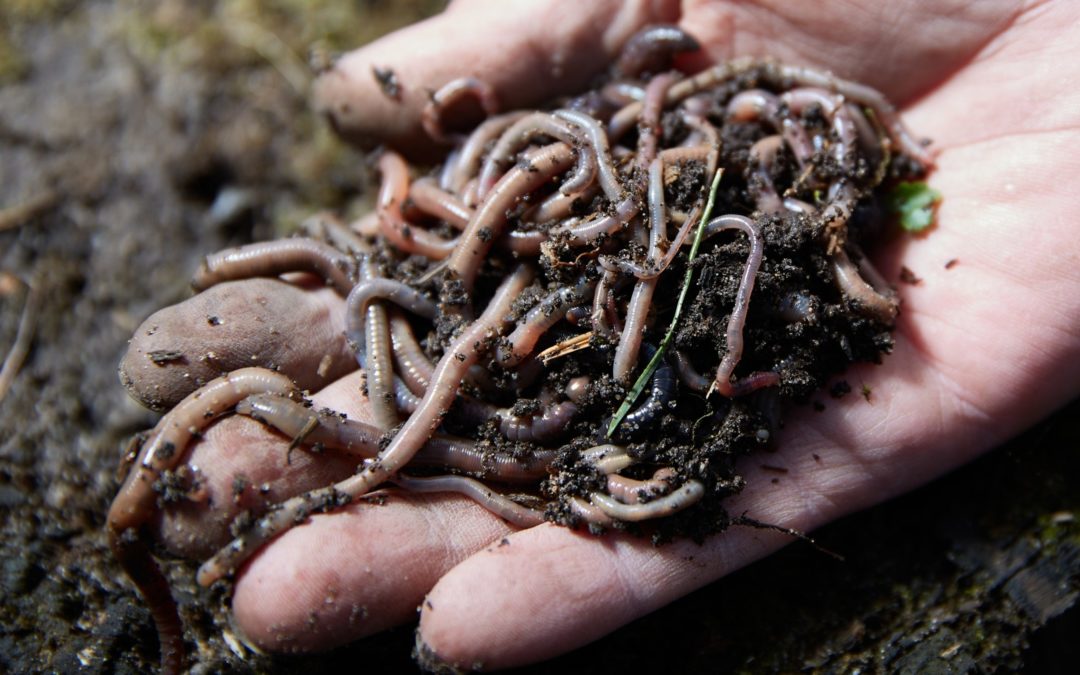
(654, 362)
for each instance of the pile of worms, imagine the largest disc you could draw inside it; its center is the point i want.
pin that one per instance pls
(586, 313)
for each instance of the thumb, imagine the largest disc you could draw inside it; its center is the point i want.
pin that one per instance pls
(526, 51)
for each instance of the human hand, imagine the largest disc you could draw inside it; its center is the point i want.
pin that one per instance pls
(965, 373)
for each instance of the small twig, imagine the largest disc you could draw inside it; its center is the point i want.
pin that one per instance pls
(23, 338)
(567, 346)
(654, 362)
(16, 216)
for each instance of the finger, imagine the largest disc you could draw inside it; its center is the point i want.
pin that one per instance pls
(346, 575)
(513, 46)
(258, 322)
(966, 373)
(241, 465)
(903, 48)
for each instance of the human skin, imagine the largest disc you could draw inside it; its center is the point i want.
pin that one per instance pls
(983, 349)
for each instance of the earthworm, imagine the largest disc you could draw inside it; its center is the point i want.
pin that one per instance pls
(467, 163)
(559, 205)
(518, 137)
(881, 306)
(435, 201)
(689, 375)
(649, 130)
(630, 341)
(373, 354)
(134, 505)
(833, 106)
(507, 509)
(762, 157)
(609, 180)
(722, 382)
(462, 353)
(554, 421)
(653, 49)
(328, 227)
(607, 458)
(631, 491)
(413, 365)
(754, 104)
(490, 219)
(334, 431)
(538, 320)
(272, 258)
(392, 223)
(450, 93)
(686, 496)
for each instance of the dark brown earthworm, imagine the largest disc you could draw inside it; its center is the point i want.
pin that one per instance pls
(653, 49)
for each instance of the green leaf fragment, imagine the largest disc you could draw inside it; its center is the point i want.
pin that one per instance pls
(654, 362)
(914, 203)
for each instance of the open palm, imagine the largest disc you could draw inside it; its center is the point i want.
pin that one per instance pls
(985, 345)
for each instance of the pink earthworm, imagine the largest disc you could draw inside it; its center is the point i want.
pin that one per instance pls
(272, 258)
(332, 430)
(449, 94)
(649, 130)
(538, 320)
(539, 167)
(632, 491)
(520, 135)
(684, 497)
(466, 164)
(433, 200)
(413, 365)
(135, 505)
(507, 509)
(392, 223)
(722, 382)
(461, 354)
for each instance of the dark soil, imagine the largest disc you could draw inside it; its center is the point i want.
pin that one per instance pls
(165, 135)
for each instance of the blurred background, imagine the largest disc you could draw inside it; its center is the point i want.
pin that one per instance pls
(138, 136)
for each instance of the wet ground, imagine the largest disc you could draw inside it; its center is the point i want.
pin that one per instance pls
(146, 134)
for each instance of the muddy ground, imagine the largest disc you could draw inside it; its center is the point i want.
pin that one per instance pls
(150, 133)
